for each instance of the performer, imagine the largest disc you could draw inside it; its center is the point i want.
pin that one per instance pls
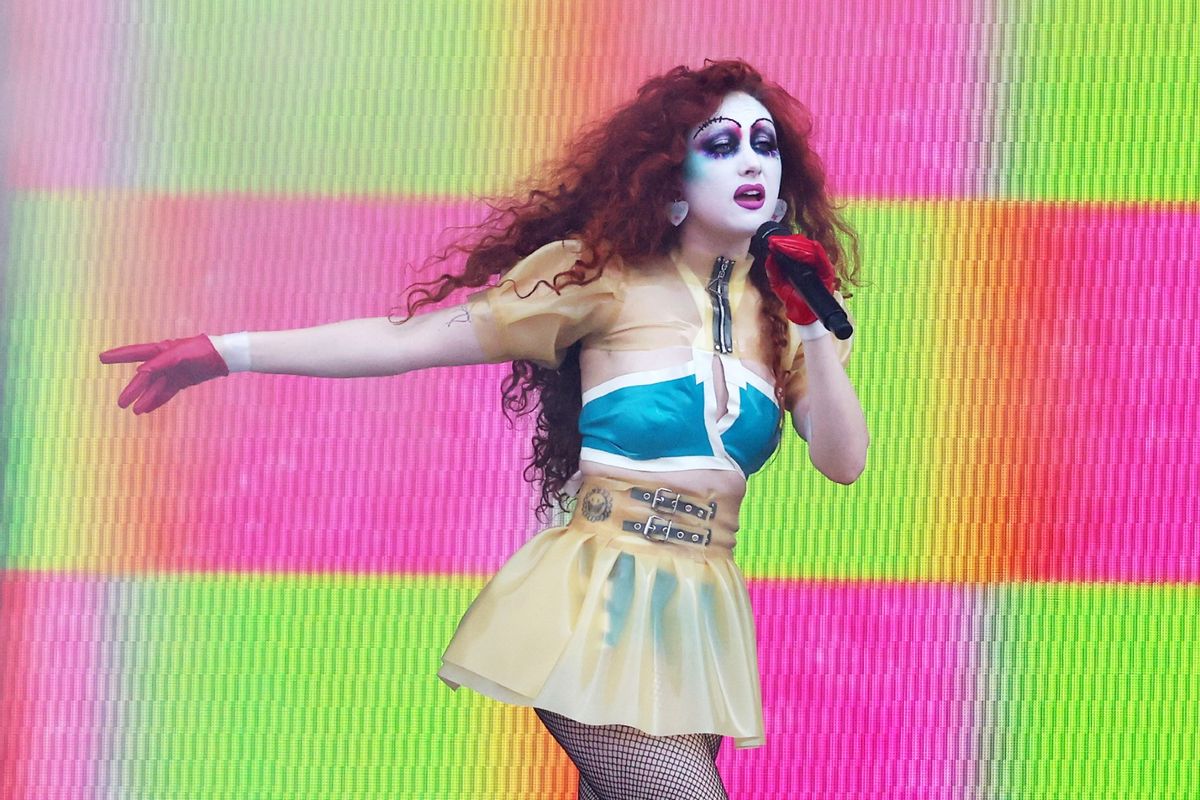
(660, 357)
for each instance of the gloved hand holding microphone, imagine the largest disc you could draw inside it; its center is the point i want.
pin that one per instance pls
(799, 271)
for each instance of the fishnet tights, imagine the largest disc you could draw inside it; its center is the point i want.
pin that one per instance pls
(617, 762)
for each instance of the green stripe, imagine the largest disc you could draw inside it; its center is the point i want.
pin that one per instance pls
(1091, 692)
(296, 686)
(1098, 101)
(313, 97)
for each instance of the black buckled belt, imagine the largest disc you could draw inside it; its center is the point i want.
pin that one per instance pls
(658, 528)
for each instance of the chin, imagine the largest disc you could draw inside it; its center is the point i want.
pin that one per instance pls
(737, 228)
(749, 226)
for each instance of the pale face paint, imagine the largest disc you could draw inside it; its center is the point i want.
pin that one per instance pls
(731, 175)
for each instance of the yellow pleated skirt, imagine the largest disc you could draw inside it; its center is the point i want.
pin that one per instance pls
(605, 626)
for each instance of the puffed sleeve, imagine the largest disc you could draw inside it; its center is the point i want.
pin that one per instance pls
(524, 317)
(797, 384)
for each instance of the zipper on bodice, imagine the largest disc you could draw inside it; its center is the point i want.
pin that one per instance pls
(718, 291)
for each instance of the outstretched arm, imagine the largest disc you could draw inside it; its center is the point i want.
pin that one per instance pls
(347, 349)
(356, 348)
(523, 317)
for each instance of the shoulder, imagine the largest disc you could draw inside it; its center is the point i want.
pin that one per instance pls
(564, 257)
(548, 260)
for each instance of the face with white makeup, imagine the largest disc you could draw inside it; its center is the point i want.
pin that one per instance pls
(730, 176)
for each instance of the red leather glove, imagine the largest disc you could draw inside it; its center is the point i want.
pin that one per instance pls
(170, 365)
(805, 251)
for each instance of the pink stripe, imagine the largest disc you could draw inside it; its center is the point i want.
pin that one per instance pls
(51, 687)
(420, 473)
(888, 125)
(899, 92)
(257, 472)
(868, 691)
(1113, 312)
(60, 74)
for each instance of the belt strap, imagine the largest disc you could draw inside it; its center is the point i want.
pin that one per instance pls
(672, 502)
(660, 517)
(657, 529)
(662, 529)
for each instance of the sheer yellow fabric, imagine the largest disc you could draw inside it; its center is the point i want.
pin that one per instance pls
(607, 627)
(653, 308)
(529, 316)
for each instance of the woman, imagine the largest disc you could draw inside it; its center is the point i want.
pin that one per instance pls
(661, 358)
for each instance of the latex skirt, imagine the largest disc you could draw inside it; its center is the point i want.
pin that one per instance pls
(605, 625)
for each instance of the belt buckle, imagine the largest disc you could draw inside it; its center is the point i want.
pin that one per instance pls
(662, 502)
(650, 526)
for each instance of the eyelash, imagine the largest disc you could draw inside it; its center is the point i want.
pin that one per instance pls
(767, 145)
(720, 147)
(724, 147)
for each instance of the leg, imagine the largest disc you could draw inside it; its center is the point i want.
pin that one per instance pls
(617, 762)
(586, 792)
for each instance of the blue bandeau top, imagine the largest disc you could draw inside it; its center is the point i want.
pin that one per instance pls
(667, 419)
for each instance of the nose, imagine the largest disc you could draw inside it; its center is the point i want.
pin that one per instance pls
(749, 161)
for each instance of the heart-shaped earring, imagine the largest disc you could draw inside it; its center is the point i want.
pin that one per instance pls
(780, 210)
(677, 211)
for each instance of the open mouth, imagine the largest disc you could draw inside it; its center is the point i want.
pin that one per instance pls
(750, 196)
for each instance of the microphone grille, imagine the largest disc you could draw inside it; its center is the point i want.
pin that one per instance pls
(758, 244)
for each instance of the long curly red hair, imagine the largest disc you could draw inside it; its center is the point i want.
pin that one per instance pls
(610, 190)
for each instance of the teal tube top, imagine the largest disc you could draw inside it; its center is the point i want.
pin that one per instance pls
(666, 420)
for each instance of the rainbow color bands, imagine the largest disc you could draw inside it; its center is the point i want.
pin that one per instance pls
(246, 592)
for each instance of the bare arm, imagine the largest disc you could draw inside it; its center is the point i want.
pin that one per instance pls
(829, 416)
(356, 348)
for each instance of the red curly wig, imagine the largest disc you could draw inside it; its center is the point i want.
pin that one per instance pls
(610, 190)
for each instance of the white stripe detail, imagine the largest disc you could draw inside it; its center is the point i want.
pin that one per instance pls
(737, 376)
(704, 369)
(666, 464)
(737, 371)
(643, 378)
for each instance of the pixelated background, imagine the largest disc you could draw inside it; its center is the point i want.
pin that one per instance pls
(246, 593)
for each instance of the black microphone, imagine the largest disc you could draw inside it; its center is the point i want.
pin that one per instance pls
(804, 277)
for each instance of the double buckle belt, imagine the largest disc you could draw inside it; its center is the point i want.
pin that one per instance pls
(662, 528)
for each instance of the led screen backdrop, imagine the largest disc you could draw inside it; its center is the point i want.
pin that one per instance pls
(246, 593)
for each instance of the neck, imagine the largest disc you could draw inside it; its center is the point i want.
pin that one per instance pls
(712, 243)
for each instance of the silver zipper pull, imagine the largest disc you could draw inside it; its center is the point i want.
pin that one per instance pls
(718, 291)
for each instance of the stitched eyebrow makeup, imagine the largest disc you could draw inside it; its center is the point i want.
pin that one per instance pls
(711, 121)
(736, 124)
(761, 128)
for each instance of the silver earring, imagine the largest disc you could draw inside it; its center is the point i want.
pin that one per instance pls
(780, 210)
(677, 211)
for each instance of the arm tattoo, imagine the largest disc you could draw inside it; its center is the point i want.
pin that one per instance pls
(464, 315)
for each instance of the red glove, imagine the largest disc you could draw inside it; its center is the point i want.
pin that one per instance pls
(170, 365)
(805, 251)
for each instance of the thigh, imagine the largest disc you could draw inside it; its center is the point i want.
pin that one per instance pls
(618, 762)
